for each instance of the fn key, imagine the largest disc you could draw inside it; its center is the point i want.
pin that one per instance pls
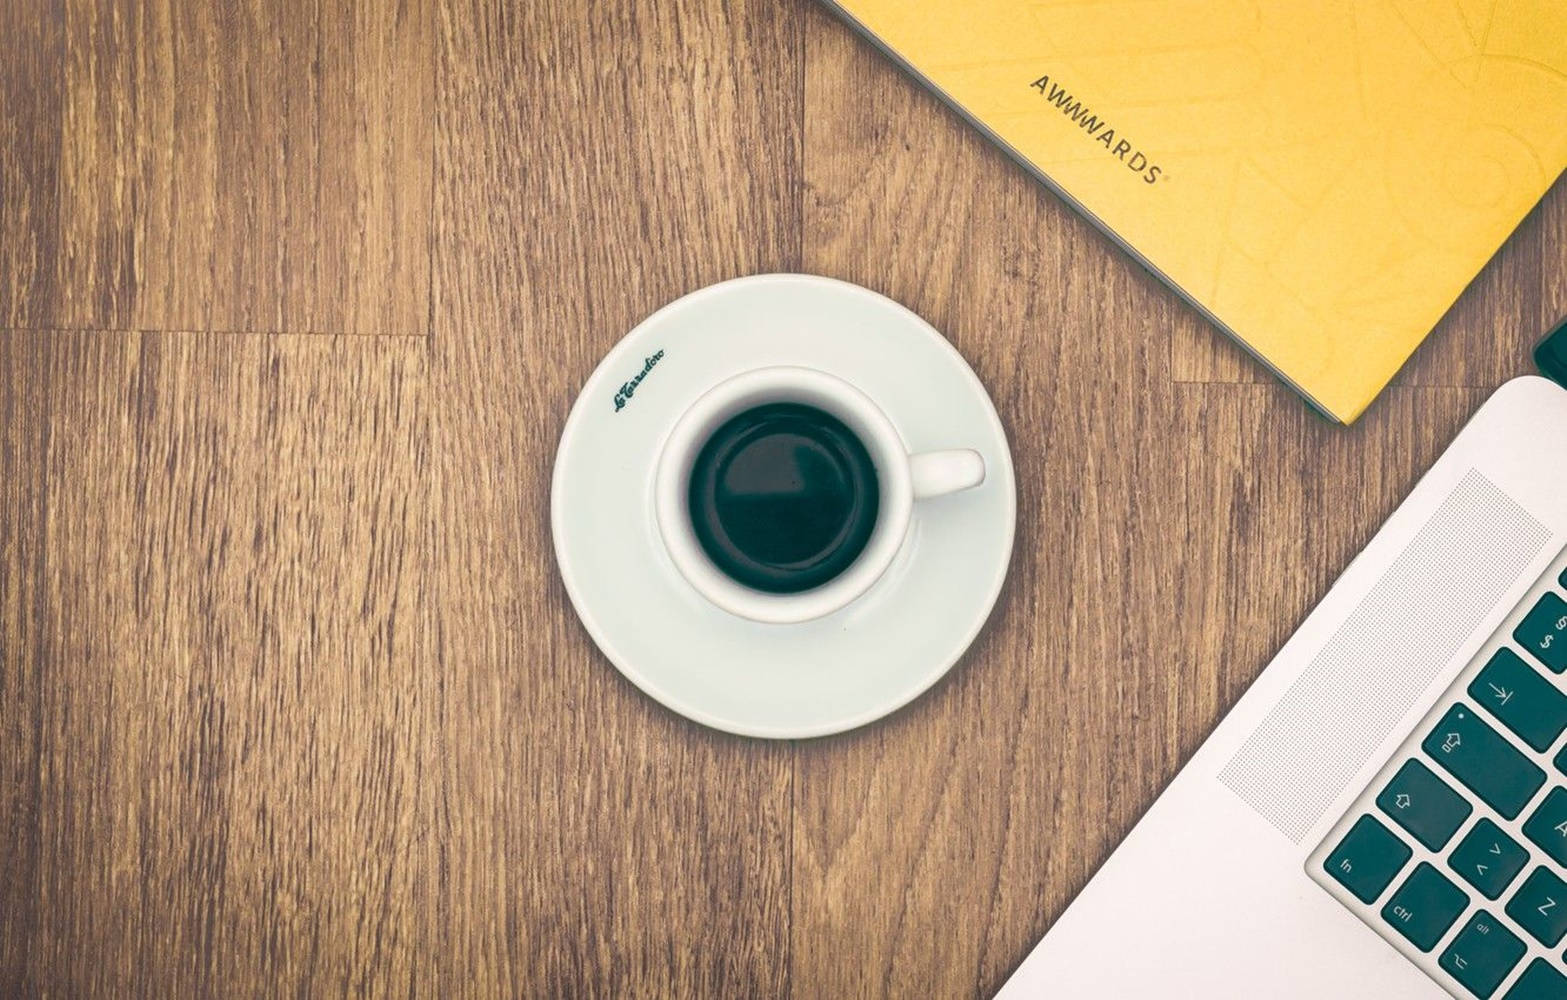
(1367, 859)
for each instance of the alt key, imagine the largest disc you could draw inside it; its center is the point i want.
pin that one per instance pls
(1482, 955)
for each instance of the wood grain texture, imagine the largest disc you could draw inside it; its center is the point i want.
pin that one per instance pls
(591, 843)
(1278, 501)
(292, 701)
(30, 85)
(912, 851)
(260, 165)
(214, 723)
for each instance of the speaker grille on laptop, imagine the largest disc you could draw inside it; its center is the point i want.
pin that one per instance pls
(1388, 651)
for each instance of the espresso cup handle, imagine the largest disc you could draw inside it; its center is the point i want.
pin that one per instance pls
(936, 473)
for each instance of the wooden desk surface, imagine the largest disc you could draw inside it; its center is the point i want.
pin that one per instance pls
(295, 297)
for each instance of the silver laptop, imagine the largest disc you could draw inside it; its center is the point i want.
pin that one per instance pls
(1384, 813)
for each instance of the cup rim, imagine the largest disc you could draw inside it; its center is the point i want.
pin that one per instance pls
(756, 387)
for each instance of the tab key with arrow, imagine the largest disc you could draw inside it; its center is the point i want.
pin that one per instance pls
(1521, 698)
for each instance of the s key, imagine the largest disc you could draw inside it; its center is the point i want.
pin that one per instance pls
(1543, 632)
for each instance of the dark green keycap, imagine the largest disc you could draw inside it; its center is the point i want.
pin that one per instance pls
(1547, 827)
(1421, 803)
(1367, 859)
(1540, 906)
(1482, 955)
(1424, 907)
(1543, 632)
(1487, 764)
(1488, 859)
(1561, 760)
(1539, 982)
(1527, 703)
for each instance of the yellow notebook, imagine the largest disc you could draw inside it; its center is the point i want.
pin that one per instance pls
(1321, 179)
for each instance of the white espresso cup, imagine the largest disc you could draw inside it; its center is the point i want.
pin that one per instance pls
(901, 479)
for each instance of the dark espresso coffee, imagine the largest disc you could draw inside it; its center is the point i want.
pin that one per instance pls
(783, 497)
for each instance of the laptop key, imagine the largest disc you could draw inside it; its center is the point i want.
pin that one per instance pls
(1488, 859)
(1548, 826)
(1367, 859)
(1486, 763)
(1540, 906)
(1543, 632)
(1423, 804)
(1527, 703)
(1482, 955)
(1424, 907)
(1539, 982)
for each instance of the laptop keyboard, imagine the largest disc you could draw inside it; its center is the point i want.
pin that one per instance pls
(1457, 851)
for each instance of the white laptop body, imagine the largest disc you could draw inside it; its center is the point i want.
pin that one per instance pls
(1222, 889)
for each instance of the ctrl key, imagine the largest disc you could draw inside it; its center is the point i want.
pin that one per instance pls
(1424, 907)
(1367, 859)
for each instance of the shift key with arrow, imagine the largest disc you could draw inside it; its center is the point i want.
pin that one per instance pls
(1423, 804)
(1485, 762)
(1488, 859)
(1521, 698)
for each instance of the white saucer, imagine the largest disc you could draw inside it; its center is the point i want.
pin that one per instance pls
(779, 681)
